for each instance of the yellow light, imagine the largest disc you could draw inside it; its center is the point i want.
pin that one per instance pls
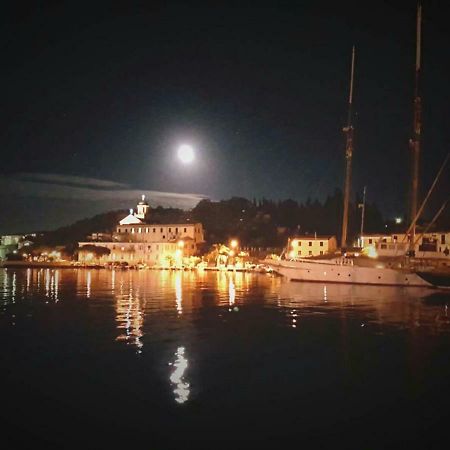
(295, 243)
(181, 244)
(292, 254)
(234, 243)
(178, 253)
(231, 253)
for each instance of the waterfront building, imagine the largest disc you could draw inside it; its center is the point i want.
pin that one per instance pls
(12, 243)
(137, 240)
(434, 244)
(305, 246)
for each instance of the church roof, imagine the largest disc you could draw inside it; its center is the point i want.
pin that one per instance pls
(130, 219)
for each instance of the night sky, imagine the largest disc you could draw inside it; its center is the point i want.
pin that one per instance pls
(97, 99)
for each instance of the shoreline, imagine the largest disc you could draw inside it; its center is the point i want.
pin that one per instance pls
(70, 265)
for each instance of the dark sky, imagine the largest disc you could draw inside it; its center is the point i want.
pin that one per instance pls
(108, 93)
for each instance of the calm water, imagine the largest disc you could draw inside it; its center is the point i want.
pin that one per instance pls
(149, 358)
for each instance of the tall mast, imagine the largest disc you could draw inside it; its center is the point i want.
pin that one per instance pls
(414, 143)
(363, 209)
(348, 130)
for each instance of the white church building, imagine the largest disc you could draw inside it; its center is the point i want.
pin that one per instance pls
(138, 241)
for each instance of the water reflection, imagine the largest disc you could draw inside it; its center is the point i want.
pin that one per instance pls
(380, 305)
(179, 292)
(129, 316)
(181, 390)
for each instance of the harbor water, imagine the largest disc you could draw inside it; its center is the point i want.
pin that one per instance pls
(91, 358)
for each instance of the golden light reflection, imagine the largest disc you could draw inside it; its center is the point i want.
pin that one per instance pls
(129, 316)
(179, 292)
(88, 284)
(47, 283)
(181, 390)
(231, 292)
(28, 279)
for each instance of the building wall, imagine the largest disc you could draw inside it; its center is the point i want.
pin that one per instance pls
(431, 245)
(149, 244)
(159, 233)
(310, 246)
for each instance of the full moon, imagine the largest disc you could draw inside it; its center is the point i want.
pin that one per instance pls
(185, 154)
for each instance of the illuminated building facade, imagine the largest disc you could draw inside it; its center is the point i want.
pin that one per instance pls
(138, 241)
(305, 246)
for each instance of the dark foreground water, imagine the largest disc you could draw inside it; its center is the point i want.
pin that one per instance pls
(95, 359)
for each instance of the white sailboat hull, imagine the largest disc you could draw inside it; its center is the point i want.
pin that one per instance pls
(334, 272)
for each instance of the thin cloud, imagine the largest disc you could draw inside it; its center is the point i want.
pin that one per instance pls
(57, 186)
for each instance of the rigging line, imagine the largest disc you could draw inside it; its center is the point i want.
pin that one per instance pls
(432, 222)
(427, 197)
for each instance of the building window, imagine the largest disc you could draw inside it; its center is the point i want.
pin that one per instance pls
(370, 241)
(170, 230)
(176, 230)
(140, 230)
(321, 243)
(185, 230)
(442, 238)
(146, 230)
(321, 252)
(132, 230)
(193, 246)
(299, 253)
(310, 244)
(161, 230)
(154, 230)
(149, 247)
(395, 238)
(126, 230)
(310, 253)
(164, 236)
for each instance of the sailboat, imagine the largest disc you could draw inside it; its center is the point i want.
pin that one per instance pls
(339, 268)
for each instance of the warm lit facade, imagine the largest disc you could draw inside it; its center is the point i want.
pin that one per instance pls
(138, 241)
(306, 246)
(430, 245)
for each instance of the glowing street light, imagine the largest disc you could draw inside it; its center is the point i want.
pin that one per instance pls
(180, 244)
(234, 243)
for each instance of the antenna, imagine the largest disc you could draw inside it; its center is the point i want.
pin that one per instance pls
(348, 130)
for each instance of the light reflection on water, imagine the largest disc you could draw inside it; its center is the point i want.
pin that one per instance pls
(155, 312)
(181, 390)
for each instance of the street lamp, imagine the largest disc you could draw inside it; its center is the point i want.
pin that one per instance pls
(234, 243)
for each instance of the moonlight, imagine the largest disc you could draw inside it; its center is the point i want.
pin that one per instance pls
(185, 154)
